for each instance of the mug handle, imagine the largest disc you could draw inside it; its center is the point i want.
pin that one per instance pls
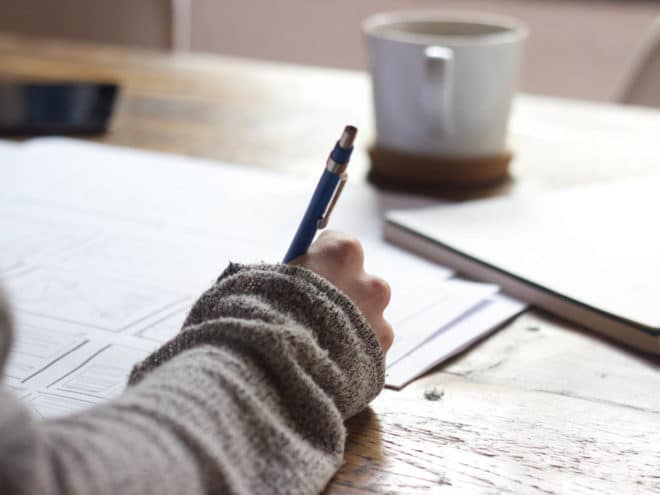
(437, 88)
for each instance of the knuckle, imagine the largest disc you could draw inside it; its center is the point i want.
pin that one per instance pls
(347, 250)
(379, 290)
(387, 337)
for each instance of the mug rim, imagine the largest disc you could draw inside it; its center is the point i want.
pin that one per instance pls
(514, 30)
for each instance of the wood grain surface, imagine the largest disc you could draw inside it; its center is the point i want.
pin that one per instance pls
(540, 406)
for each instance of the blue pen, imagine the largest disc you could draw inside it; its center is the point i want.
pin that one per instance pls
(325, 195)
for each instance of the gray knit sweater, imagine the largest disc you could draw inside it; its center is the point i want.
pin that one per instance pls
(250, 397)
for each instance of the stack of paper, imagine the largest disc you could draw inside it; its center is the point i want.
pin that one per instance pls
(104, 249)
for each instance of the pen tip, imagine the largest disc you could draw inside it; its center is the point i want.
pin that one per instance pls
(348, 136)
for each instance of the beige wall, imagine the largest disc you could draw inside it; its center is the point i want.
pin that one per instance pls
(128, 22)
(578, 48)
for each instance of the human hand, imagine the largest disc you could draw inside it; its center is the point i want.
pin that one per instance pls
(340, 259)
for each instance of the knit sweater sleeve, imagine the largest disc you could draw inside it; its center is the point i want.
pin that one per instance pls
(249, 398)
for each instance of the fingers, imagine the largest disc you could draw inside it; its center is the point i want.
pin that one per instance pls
(385, 334)
(375, 295)
(333, 249)
(347, 254)
(374, 291)
(340, 249)
(340, 258)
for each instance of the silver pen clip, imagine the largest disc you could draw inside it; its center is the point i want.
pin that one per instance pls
(323, 221)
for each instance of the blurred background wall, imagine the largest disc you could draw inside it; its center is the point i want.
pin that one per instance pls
(578, 48)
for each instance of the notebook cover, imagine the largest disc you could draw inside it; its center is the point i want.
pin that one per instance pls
(589, 254)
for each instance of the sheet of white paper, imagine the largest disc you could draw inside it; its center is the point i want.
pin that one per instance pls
(453, 338)
(99, 377)
(96, 300)
(421, 322)
(104, 249)
(36, 348)
(103, 376)
(50, 353)
(165, 328)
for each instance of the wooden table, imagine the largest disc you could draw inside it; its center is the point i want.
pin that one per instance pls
(539, 407)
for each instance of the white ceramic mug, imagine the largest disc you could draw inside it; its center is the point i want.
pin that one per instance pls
(443, 82)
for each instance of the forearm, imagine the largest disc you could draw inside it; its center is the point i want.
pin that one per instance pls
(249, 398)
(204, 422)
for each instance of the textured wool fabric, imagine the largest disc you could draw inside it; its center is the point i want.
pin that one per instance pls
(249, 398)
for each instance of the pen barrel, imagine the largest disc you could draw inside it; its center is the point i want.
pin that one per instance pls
(315, 210)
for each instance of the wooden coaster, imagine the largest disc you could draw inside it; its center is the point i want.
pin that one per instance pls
(405, 171)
